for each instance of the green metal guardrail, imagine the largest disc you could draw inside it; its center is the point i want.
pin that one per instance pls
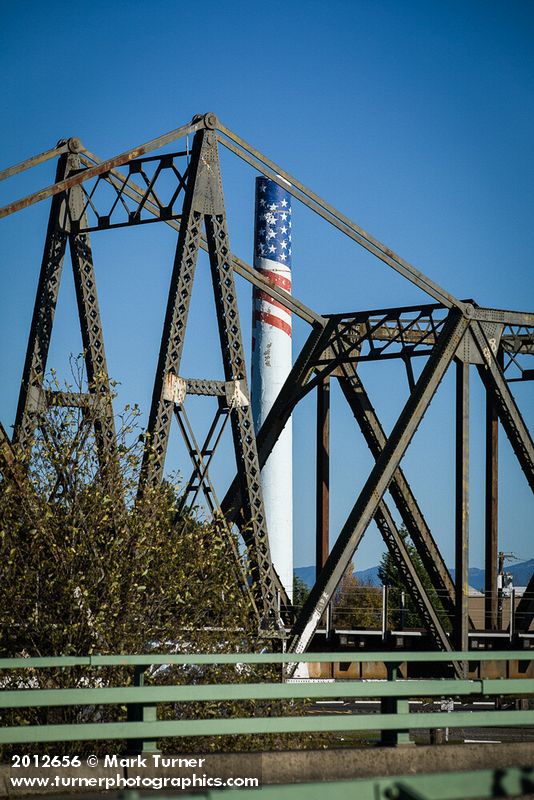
(399, 657)
(511, 782)
(142, 700)
(462, 785)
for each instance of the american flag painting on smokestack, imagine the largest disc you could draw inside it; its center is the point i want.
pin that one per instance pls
(271, 363)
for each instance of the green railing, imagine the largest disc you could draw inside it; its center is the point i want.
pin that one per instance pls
(488, 783)
(142, 700)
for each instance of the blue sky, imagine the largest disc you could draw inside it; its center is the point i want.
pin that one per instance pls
(416, 119)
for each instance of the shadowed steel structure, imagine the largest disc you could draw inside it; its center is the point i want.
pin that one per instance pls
(94, 195)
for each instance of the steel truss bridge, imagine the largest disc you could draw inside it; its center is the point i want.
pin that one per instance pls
(447, 333)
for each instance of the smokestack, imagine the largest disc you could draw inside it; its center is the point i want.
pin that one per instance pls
(271, 363)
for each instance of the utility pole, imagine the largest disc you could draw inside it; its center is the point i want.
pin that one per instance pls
(502, 557)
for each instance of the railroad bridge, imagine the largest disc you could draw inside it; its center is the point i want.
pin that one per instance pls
(92, 195)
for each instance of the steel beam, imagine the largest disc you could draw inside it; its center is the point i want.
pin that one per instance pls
(12, 470)
(204, 205)
(377, 482)
(75, 145)
(290, 394)
(135, 192)
(389, 313)
(524, 613)
(392, 537)
(32, 399)
(282, 408)
(200, 480)
(85, 400)
(241, 413)
(491, 512)
(9, 466)
(403, 497)
(267, 436)
(414, 585)
(201, 458)
(376, 440)
(275, 172)
(322, 487)
(462, 507)
(42, 320)
(504, 316)
(519, 437)
(174, 326)
(206, 388)
(34, 161)
(509, 414)
(91, 326)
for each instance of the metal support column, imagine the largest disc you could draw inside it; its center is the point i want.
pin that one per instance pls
(492, 512)
(323, 475)
(509, 414)
(176, 316)
(245, 446)
(462, 505)
(519, 437)
(42, 321)
(204, 206)
(91, 326)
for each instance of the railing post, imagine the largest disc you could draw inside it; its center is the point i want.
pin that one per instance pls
(393, 705)
(142, 712)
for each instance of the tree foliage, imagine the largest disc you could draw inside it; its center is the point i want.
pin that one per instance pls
(391, 576)
(89, 568)
(300, 592)
(85, 569)
(92, 571)
(356, 604)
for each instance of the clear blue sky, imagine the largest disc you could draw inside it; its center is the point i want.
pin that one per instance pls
(416, 119)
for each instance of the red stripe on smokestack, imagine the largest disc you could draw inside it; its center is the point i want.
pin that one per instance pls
(261, 295)
(275, 277)
(270, 319)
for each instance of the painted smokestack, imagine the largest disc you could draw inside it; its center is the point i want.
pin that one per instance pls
(271, 363)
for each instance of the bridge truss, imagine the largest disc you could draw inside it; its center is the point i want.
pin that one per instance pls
(447, 333)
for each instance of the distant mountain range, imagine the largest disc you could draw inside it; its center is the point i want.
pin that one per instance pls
(521, 574)
(368, 576)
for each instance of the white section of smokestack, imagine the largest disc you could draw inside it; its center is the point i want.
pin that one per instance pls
(271, 363)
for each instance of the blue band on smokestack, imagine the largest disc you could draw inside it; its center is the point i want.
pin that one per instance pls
(272, 235)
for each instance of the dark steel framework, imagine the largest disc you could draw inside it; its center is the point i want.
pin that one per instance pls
(129, 189)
